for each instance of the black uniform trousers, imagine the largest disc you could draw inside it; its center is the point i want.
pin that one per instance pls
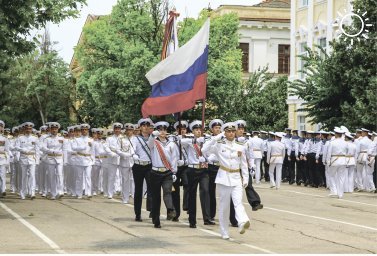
(292, 168)
(176, 194)
(198, 177)
(285, 168)
(141, 172)
(212, 173)
(252, 197)
(266, 166)
(312, 169)
(321, 176)
(300, 174)
(160, 180)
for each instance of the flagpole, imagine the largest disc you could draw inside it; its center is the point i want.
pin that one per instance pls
(179, 133)
(203, 114)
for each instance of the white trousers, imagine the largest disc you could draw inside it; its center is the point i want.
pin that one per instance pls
(368, 180)
(96, 171)
(327, 176)
(132, 184)
(257, 171)
(83, 178)
(126, 182)
(27, 185)
(55, 179)
(349, 184)
(109, 173)
(3, 180)
(225, 193)
(338, 173)
(278, 174)
(13, 177)
(360, 176)
(70, 180)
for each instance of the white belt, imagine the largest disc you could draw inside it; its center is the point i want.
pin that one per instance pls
(159, 169)
(139, 162)
(195, 166)
(215, 163)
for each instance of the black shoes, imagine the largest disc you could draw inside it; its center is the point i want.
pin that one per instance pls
(209, 222)
(235, 225)
(4, 193)
(157, 226)
(192, 225)
(171, 214)
(175, 219)
(138, 218)
(257, 207)
(291, 182)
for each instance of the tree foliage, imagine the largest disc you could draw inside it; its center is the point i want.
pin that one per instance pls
(341, 88)
(38, 90)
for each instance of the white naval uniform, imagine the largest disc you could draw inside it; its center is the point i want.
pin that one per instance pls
(125, 166)
(230, 181)
(110, 165)
(83, 165)
(5, 155)
(372, 152)
(28, 146)
(54, 148)
(256, 146)
(100, 154)
(349, 184)
(69, 167)
(336, 160)
(13, 164)
(363, 171)
(42, 179)
(275, 157)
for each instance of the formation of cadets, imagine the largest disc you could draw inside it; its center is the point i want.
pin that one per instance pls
(140, 160)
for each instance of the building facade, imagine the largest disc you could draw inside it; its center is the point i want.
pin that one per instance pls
(313, 22)
(264, 35)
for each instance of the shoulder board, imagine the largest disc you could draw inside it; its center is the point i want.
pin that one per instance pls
(34, 135)
(241, 143)
(221, 141)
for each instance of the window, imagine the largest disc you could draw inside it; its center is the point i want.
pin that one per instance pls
(245, 56)
(301, 61)
(304, 3)
(322, 43)
(301, 123)
(284, 58)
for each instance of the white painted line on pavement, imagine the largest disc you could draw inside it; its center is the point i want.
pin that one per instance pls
(208, 231)
(314, 195)
(321, 218)
(33, 229)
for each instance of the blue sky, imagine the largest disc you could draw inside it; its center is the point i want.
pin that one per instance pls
(67, 33)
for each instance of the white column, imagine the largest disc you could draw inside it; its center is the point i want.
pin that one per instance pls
(293, 57)
(330, 20)
(310, 23)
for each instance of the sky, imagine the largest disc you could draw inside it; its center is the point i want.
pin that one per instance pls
(67, 33)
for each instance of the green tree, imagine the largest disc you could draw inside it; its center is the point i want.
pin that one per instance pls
(116, 53)
(38, 89)
(341, 89)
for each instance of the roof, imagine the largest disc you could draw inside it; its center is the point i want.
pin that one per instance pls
(274, 4)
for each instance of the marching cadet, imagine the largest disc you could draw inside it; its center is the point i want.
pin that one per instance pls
(28, 146)
(265, 138)
(336, 160)
(83, 148)
(256, 145)
(286, 140)
(99, 154)
(54, 148)
(136, 130)
(372, 153)
(275, 158)
(293, 157)
(362, 155)
(328, 180)
(111, 163)
(232, 176)
(213, 166)
(5, 155)
(320, 172)
(14, 161)
(126, 152)
(163, 173)
(197, 174)
(41, 168)
(70, 162)
(129, 136)
(142, 166)
(181, 172)
(301, 177)
(350, 164)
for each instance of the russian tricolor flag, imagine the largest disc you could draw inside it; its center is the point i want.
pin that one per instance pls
(179, 80)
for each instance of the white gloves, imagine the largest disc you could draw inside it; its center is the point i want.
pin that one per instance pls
(135, 157)
(244, 183)
(252, 172)
(200, 140)
(202, 159)
(218, 137)
(212, 158)
(155, 133)
(180, 162)
(241, 139)
(113, 154)
(174, 177)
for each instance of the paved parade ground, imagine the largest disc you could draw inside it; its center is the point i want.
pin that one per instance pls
(294, 220)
